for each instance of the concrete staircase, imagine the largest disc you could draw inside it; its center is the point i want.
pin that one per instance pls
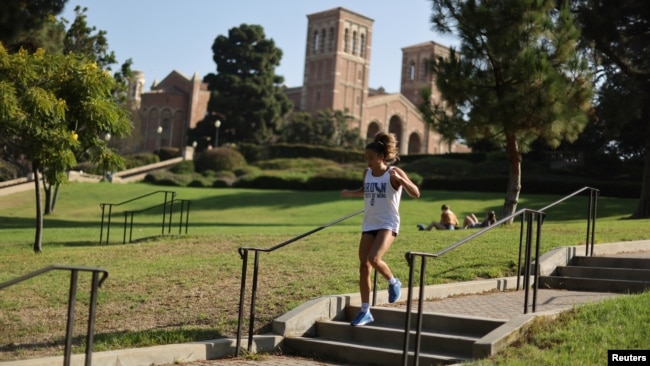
(446, 339)
(601, 274)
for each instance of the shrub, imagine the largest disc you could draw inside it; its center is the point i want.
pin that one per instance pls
(184, 167)
(247, 170)
(221, 158)
(167, 178)
(7, 172)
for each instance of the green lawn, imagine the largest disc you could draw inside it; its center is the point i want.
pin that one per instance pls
(179, 288)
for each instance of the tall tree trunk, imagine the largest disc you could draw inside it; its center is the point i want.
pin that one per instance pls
(55, 195)
(47, 188)
(38, 239)
(643, 209)
(514, 178)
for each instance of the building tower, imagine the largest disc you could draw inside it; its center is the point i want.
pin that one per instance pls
(416, 70)
(337, 62)
(136, 88)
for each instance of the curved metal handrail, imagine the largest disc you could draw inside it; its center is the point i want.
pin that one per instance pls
(95, 285)
(243, 252)
(527, 216)
(130, 214)
(103, 206)
(591, 215)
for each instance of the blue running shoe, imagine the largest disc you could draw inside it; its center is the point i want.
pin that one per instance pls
(421, 227)
(362, 318)
(394, 291)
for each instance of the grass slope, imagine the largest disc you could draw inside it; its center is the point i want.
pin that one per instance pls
(179, 288)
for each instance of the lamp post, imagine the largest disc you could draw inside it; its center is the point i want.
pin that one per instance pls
(108, 176)
(217, 124)
(159, 131)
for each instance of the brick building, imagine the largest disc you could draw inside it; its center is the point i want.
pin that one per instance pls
(337, 68)
(173, 106)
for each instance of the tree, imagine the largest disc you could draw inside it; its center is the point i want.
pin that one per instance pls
(245, 89)
(619, 31)
(325, 128)
(20, 18)
(53, 106)
(518, 77)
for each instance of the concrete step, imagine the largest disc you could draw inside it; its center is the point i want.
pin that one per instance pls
(467, 326)
(393, 338)
(361, 354)
(604, 273)
(591, 284)
(445, 339)
(611, 262)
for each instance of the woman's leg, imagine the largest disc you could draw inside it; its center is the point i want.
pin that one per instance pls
(380, 246)
(365, 245)
(371, 251)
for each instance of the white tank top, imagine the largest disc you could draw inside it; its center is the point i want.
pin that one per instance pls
(381, 203)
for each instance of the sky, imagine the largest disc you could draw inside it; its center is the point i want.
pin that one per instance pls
(162, 36)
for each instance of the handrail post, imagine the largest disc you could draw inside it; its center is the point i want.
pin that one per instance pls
(540, 218)
(374, 289)
(101, 228)
(594, 207)
(251, 324)
(527, 259)
(418, 329)
(171, 211)
(242, 291)
(126, 215)
(72, 297)
(164, 215)
(108, 227)
(92, 310)
(521, 238)
(409, 299)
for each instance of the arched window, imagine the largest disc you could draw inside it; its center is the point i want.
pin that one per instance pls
(316, 40)
(412, 71)
(323, 40)
(346, 40)
(425, 69)
(354, 43)
(330, 40)
(362, 46)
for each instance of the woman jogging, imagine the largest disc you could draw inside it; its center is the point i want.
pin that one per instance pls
(382, 189)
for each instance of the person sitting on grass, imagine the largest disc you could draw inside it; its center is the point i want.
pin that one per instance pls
(448, 221)
(471, 222)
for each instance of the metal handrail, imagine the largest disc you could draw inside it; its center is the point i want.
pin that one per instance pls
(110, 210)
(243, 253)
(527, 216)
(130, 214)
(591, 215)
(95, 285)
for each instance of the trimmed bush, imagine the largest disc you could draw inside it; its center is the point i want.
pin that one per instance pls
(221, 158)
(184, 167)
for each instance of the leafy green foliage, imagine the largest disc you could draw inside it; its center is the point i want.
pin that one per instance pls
(19, 19)
(53, 108)
(518, 77)
(247, 95)
(222, 158)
